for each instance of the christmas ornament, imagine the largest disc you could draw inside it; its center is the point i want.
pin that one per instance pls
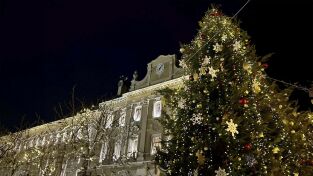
(243, 101)
(221, 172)
(275, 150)
(196, 76)
(182, 63)
(256, 86)
(202, 71)
(248, 146)
(232, 128)
(191, 77)
(181, 50)
(212, 72)
(216, 13)
(261, 135)
(197, 119)
(265, 65)
(206, 61)
(246, 66)
(224, 37)
(250, 160)
(203, 36)
(201, 158)
(237, 46)
(217, 48)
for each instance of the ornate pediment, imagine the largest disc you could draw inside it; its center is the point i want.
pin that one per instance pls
(159, 70)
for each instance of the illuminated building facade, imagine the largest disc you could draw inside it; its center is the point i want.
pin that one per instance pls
(118, 137)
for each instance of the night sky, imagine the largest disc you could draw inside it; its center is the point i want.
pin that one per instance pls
(48, 47)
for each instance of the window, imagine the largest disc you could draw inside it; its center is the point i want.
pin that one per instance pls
(57, 138)
(109, 121)
(91, 132)
(155, 143)
(137, 113)
(132, 146)
(80, 134)
(37, 142)
(43, 142)
(51, 140)
(117, 150)
(64, 167)
(31, 143)
(64, 136)
(104, 150)
(122, 118)
(157, 109)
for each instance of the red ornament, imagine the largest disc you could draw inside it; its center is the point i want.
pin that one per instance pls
(243, 101)
(191, 78)
(247, 147)
(306, 162)
(203, 36)
(265, 65)
(216, 13)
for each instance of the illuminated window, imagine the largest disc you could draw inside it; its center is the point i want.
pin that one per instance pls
(57, 138)
(137, 113)
(157, 109)
(64, 137)
(37, 142)
(80, 134)
(43, 142)
(122, 118)
(117, 150)
(31, 143)
(104, 150)
(91, 132)
(109, 121)
(51, 139)
(132, 147)
(155, 143)
(64, 167)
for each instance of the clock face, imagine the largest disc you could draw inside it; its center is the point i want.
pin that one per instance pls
(159, 68)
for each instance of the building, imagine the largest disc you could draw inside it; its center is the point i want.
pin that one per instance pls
(118, 137)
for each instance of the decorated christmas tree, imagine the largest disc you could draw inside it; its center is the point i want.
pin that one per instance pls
(228, 118)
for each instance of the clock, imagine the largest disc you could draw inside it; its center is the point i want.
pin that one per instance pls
(159, 69)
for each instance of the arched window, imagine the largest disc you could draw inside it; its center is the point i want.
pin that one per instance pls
(109, 121)
(31, 143)
(80, 133)
(64, 137)
(137, 113)
(117, 150)
(103, 153)
(122, 118)
(157, 109)
(37, 142)
(57, 138)
(43, 142)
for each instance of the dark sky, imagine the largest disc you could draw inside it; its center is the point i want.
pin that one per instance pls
(47, 47)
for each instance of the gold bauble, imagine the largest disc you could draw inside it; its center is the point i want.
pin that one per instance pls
(246, 66)
(196, 76)
(201, 158)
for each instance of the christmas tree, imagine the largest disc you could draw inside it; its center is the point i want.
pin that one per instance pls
(228, 118)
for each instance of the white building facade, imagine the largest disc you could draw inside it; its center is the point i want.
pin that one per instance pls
(129, 135)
